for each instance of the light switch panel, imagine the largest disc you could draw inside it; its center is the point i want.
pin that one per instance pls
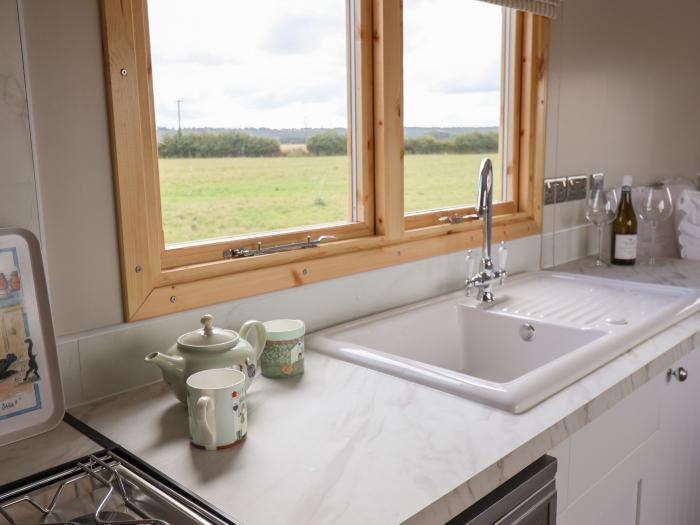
(577, 187)
(555, 190)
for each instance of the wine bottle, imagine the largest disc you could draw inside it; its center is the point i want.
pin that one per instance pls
(624, 228)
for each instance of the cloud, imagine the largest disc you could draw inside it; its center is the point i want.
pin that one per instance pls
(276, 63)
(295, 34)
(486, 83)
(198, 57)
(312, 94)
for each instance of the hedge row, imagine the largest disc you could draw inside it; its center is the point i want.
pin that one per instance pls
(227, 144)
(327, 143)
(476, 142)
(241, 144)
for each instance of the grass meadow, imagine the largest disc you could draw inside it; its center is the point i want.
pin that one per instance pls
(209, 198)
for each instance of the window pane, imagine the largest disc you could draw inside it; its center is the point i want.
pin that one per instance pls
(452, 94)
(251, 106)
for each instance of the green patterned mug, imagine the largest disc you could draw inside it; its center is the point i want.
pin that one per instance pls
(283, 355)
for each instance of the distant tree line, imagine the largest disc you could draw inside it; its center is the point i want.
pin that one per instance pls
(242, 144)
(285, 136)
(225, 144)
(474, 142)
(327, 143)
(300, 135)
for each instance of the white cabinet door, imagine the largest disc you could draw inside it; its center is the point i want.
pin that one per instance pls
(613, 436)
(671, 495)
(610, 459)
(620, 496)
(611, 501)
(638, 463)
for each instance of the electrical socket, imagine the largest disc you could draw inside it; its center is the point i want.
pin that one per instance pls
(565, 189)
(555, 190)
(577, 187)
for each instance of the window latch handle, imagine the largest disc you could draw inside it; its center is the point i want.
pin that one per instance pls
(235, 253)
(456, 219)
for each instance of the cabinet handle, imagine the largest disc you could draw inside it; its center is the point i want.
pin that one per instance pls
(680, 373)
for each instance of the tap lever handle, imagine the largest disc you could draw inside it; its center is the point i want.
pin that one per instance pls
(471, 264)
(502, 256)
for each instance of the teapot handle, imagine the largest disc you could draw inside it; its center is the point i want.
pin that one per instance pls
(260, 339)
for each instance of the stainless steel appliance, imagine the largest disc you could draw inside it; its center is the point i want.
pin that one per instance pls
(102, 489)
(528, 498)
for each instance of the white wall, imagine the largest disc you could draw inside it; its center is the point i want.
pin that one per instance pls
(623, 98)
(18, 197)
(625, 89)
(72, 148)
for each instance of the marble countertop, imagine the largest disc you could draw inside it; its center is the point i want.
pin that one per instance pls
(344, 444)
(673, 272)
(32, 455)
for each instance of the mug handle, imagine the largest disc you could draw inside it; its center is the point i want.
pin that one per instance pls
(202, 410)
(260, 339)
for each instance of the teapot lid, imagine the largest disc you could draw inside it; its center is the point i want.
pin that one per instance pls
(208, 337)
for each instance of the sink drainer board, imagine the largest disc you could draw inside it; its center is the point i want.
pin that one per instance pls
(547, 331)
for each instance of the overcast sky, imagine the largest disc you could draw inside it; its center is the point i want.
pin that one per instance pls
(282, 63)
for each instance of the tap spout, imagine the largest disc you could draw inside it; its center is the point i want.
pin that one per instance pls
(487, 276)
(484, 207)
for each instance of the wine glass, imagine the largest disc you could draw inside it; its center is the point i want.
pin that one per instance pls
(655, 206)
(601, 208)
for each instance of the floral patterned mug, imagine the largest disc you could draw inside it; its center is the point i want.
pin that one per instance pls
(216, 405)
(283, 355)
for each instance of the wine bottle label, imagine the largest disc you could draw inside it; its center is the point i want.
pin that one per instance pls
(625, 247)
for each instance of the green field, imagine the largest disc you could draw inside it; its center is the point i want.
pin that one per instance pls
(208, 198)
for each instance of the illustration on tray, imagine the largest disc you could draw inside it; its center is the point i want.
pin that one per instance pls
(19, 369)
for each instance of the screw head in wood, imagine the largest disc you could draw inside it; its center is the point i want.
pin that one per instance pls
(137, 269)
(305, 271)
(173, 299)
(123, 72)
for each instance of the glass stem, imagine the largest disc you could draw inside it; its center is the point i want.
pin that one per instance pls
(652, 256)
(599, 262)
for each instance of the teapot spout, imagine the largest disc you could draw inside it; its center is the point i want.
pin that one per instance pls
(167, 363)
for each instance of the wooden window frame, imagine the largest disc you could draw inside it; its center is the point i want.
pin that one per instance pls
(508, 136)
(158, 281)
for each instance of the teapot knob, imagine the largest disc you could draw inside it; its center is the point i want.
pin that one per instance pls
(208, 323)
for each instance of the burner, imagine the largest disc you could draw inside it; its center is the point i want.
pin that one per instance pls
(109, 517)
(126, 495)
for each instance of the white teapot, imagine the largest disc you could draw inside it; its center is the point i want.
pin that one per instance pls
(210, 347)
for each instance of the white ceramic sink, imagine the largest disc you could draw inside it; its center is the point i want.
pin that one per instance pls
(449, 343)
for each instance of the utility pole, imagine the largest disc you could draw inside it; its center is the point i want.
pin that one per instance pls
(179, 121)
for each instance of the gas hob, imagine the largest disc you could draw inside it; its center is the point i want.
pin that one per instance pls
(102, 489)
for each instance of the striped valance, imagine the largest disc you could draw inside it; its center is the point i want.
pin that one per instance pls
(548, 8)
